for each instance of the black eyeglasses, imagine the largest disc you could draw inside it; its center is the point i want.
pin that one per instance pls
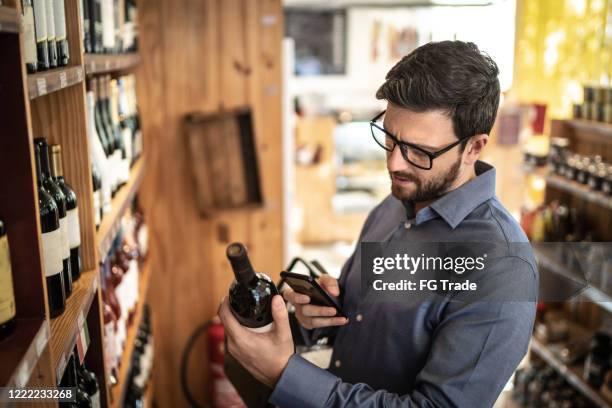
(413, 154)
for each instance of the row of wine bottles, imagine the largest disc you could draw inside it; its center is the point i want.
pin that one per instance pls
(115, 139)
(85, 383)
(45, 42)
(109, 28)
(7, 295)
(59, 222)
(142, 363)
(120, 278)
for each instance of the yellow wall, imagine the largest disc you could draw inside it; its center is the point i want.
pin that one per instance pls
(560, 45)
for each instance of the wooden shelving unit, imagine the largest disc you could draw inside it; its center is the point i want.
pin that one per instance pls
(52, 104)
(112, 221)
(573, 187)
(102, 64)
(43, 83)
(65, 327)
(10, 20)
(118, 390)
(572, 374)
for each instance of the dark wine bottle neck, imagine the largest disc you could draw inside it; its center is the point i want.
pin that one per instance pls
(39, 177)
(44, 157)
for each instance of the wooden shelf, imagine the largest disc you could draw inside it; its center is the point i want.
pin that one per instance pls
(104, 63)
(112, 221)
(20, 352)
(573, 374)
(10, 20)
(591, 126)
(119, 389)
(45, 82)
(580, 190)
(66, 326)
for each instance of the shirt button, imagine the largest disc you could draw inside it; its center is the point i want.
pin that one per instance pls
(337, 363)
(407, 225)
(359, 317)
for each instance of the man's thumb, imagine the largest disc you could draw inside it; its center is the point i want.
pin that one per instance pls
(281, 317)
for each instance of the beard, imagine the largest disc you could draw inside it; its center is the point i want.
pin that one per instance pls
(427, 190)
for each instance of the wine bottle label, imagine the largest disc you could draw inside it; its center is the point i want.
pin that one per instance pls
(96, 200)
(109, 346)
(40, 15)
(108, 30)
(64, 233)
(29, 34)
(7, 296)
(52, 252)
(59, 15)
(50, 20)
(74, 229)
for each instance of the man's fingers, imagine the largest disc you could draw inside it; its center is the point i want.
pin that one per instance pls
(232, 326)
(330, 285)
(295, 298)
(316, 311)
(317, 322)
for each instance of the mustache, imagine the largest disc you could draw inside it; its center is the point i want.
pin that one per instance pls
(407, 176)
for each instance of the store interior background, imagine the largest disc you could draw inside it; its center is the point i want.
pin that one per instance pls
(320, 170)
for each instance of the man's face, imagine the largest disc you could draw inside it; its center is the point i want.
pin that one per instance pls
(431, 130)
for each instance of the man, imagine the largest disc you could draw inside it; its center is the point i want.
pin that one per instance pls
(454, 351)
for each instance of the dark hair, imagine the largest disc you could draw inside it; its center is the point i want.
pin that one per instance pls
(453, 76)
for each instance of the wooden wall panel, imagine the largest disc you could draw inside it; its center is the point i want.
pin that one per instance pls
(188, 50)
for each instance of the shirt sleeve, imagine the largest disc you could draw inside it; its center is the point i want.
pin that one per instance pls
(476, 346)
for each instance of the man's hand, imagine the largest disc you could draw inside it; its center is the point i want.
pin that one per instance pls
(311, 316)
(264, 355)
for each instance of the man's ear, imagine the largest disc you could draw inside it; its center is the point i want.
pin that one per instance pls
(474, 148)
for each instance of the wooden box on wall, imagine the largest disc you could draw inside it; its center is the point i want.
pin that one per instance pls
(223, 160)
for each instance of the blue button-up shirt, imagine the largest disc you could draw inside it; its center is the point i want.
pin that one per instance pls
(438, 353)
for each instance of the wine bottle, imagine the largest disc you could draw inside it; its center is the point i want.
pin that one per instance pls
(70, 380)
(85, 19)
(51, 44)
(119, 131)
(88, 382)
(72, 211)
(98, 155)
(95, 22)
(108, 29)
(7, 295)
(29, 36)
(106, 136)
(51, 243)
(97, 194)
(60, 199)
(251, 294)
(40, 29)
(61, 39)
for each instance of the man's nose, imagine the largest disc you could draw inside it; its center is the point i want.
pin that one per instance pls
(395, 160)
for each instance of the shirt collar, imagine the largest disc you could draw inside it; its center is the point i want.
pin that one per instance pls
(454, 206)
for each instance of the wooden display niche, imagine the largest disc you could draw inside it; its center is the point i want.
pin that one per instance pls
(119, 390)
(45, 82)
(104, 63)
(111, 222)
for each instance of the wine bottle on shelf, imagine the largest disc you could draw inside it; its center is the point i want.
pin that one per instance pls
(250, 295)
(29, 36)
(129, 27)
(110, 329)
(95, 16)
(97, 151)
(60, 199)
(106, 136)
(7, 294)
(72, 211)
(70, 380)
(97, 194)
(108, 26)
(85, 16)
(61, 39)
(88, 382)
(40, 30)
(51, 243)
(51, 43)
(124, 121)
(113, 111)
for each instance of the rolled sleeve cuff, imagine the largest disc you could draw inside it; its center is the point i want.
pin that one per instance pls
(303, 384)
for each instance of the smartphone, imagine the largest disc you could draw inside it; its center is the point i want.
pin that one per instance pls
(307, 285)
